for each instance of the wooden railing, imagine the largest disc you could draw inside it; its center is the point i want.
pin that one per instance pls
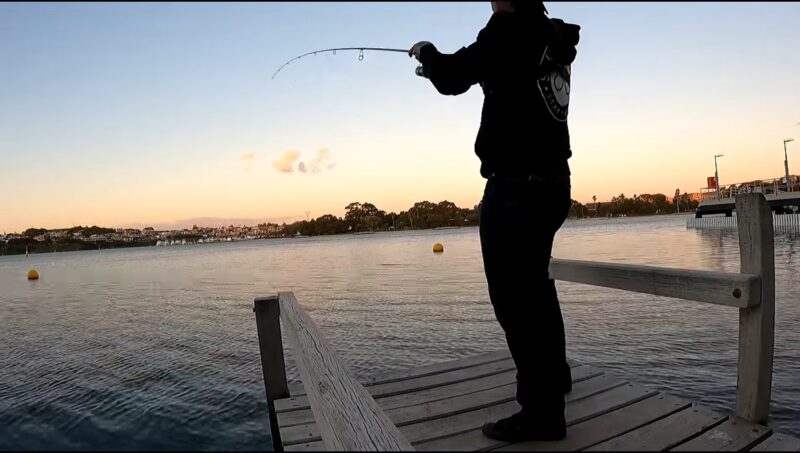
(752, 291)
(349, 418)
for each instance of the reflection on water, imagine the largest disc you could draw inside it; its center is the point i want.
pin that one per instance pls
(156, 348)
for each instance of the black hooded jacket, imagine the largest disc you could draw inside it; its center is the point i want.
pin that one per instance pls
(522, 63)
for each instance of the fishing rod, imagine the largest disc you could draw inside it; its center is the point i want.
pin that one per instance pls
(360, 54)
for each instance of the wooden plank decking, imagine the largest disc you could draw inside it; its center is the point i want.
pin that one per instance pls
(442, 407)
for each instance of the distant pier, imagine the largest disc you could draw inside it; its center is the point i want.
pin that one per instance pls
(782, 198)
(721, 214)
(783, 223)
(784, 202)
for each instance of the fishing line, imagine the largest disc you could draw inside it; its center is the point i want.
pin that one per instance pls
(360, 54)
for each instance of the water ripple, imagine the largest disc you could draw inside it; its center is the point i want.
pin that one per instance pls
(155, 349)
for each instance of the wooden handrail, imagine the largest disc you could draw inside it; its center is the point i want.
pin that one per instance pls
(752, 290)
(347, 416)
(724, 288)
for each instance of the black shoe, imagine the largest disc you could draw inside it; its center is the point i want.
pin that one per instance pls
(519, 428)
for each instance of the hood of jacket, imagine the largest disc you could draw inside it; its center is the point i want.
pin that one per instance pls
(562, 39)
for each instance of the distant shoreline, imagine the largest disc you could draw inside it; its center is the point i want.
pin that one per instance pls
(91, 246)
(45, 247)
(106, 245)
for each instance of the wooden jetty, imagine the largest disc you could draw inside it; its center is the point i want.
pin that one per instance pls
(443, 406)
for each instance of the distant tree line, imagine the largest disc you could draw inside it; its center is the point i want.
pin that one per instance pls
(65, 244)
(68, 242)
(638, 205)
(85, 231)
(364, 217)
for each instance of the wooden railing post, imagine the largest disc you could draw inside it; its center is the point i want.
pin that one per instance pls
(757, 323)
(268, 314)
(267, 310)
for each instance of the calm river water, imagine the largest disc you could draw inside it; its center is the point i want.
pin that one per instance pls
(156, 348)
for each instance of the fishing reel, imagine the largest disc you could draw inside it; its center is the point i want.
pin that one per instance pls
(420, 72)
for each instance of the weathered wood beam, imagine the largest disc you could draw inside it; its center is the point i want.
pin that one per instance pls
(347, 416)
(723, 288)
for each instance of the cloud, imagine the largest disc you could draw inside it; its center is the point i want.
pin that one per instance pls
(317, 164)
(284, 164)
(322, 154)
(313, 166)
(248, 156)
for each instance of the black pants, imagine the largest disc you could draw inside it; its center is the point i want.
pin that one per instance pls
(518, 223)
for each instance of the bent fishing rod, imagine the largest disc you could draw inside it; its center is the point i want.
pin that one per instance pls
(360, 55)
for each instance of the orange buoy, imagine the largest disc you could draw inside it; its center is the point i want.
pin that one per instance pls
(438, 248)
(33, 275)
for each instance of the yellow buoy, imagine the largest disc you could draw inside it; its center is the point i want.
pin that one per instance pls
(438, 248)
(33, 275)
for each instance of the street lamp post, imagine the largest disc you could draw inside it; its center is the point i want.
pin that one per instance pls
(716, 173)
(786, 163)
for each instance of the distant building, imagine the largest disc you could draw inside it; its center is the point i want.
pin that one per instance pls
(130, 233)
(57, 234)
(595, 207)
(697, 196)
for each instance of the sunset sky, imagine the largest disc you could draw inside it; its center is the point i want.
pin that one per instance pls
(137, 114)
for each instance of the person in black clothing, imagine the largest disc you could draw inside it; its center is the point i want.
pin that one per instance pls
(522, 61)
